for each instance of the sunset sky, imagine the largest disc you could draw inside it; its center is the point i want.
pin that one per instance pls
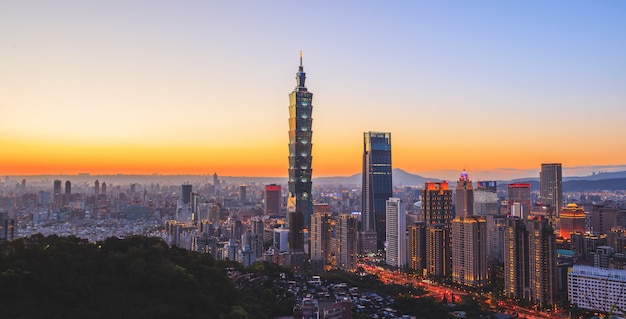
(196, 87)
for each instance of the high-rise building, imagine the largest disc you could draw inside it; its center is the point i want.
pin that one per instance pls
(377, 183)
(68, 187)
(573, 219)
(438, 254)
(321, 237)
(242, 193)
(347, 242)
(464, 196)
(551, 188)
(496, 228)
(186, 194)
(7, 227)
(486, 198)
(417, 246)
(519, 193)
(273, 202)
(216, 184)
(469, 250)
(57, 196)
(605, 216)
(57, 188)
(300, 159)
(97, 188)
(437, 203)
(530, 260)
(395, 254)
(437, 213)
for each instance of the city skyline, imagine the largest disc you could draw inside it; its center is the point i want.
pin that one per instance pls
(142, 88)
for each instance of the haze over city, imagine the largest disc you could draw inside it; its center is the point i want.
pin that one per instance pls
(141, 87)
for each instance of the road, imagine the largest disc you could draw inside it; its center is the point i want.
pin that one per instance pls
(452, 294)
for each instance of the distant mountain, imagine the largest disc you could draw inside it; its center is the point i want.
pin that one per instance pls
(399, 176)
(576, 185)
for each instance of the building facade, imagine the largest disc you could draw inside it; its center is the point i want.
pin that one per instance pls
(437, 203)
(300, 160)
(551, 188)
(417, 246)
(464, 196)
(486, 198)
(395, 254)
(321, 237)
(469, 251)
(347, 242)
(530, 260)
(273, 200)
(377, 184)
(597, 289)
(573, 219)
(519, 193)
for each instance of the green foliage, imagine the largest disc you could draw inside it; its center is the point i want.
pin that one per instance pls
(137, 277)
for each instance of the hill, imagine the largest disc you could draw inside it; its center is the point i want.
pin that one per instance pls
(137, 277)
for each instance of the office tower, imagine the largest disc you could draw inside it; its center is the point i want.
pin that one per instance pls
(530, 260)
(186, 194)
(242, 193)
(216, 184)
(68, 187)
(573, 219)
(377, 183)
(605, 216)
(347, 242)
(104, 188)
(519, 193)
(97, 188)
(437, 203)
(57, 188)
(486, 198)
(597, 289)
(321, 237)
(300, 159)
(396, 233)
(417, 246)
(57, 196)
(464, 196)
(273, 200)
(194, 204)
(469, 251)
(551, 188)
(438, 254)
(7, 227)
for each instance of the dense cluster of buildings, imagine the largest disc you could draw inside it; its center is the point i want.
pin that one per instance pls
(543, 246)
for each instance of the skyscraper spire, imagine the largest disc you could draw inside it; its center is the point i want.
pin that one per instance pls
(300, 76)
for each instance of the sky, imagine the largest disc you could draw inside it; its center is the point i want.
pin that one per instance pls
(197, 87)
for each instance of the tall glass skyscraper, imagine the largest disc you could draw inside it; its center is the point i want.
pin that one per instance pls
(300, 205)
(377, 183)
(551, 188)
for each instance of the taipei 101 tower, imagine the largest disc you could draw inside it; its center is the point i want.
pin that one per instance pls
(299, 204)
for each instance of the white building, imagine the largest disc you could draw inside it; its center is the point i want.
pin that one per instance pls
(597, 289)
(396, 233)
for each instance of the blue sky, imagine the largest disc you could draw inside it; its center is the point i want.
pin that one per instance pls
(481, 85)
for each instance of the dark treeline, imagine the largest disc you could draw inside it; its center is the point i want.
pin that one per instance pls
(137, 277)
